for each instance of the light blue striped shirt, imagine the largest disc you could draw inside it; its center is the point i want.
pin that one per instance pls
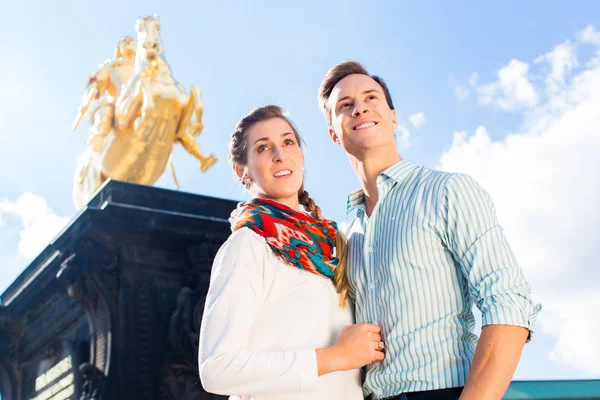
(430, 249)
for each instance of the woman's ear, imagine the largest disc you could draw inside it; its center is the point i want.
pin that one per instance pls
(239, 171)
(242, 173)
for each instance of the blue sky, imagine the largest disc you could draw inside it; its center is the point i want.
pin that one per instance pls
(441, 59)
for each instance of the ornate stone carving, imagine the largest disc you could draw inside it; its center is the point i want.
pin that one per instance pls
(91, 276)
(92, 382)
(180, 377)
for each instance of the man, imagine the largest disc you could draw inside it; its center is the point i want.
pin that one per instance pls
(424, 245)
(106, 85)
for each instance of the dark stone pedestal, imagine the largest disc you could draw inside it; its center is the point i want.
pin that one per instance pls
(111, 309)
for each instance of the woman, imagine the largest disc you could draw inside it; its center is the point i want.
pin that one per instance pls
(274, 326)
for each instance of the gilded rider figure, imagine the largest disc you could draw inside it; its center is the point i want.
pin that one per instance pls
(106, 85)
(139, 112)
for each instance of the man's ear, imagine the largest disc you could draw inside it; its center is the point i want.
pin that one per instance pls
(394, 119)
(334, 136)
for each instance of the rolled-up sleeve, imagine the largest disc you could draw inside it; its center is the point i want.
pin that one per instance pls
(227, 364)
(495, 281)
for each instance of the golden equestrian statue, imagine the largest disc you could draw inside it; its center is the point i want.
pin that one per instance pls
(141, 112)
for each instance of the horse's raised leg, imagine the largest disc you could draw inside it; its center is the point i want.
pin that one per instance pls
(190, 145)
(189, 129)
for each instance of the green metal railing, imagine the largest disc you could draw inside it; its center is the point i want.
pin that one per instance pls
(553, 390)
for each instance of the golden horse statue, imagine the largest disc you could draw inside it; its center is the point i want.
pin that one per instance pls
(145, 112)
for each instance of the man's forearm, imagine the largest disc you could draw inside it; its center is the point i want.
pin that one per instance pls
(496, 358)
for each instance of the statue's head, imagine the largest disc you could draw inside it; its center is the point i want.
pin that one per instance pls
(125, 48)
(148, 29)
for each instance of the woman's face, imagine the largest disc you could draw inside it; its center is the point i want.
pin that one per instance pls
(275, 162)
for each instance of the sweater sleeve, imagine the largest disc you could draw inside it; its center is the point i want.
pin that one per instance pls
(227, 364)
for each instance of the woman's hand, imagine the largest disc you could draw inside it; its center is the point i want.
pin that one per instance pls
(357, 346)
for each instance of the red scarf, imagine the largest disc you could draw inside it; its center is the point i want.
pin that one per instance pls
(299, 239)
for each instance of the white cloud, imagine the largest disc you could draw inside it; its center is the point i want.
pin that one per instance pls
(545, 186)
(590, 35)
(473, 80)
(403, 137)
(562, 60)
(461, 92)
(512, 90)
(40, 224)
(417, 119)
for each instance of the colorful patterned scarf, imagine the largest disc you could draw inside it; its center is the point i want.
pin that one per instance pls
(299, 239)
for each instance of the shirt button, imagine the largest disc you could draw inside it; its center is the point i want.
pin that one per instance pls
(370, 249)
(371, 286)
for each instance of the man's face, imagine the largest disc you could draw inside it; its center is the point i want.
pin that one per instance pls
(361, 120)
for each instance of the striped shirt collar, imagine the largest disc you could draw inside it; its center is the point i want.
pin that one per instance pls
(396, 172)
